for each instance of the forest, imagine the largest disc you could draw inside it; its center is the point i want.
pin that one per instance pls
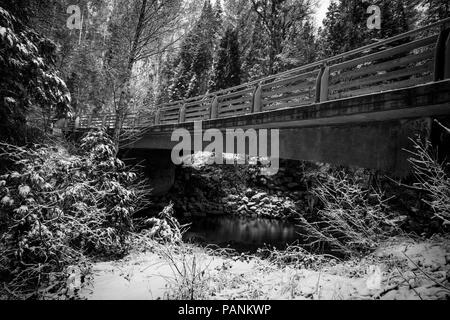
(127, 56)
(65, 206)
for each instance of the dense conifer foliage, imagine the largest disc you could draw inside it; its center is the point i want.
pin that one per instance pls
(30, 87)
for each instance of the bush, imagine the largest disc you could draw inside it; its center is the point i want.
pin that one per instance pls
(190, 278)
(56, 208)
(432, 177)
(353, 219)
(164, 229)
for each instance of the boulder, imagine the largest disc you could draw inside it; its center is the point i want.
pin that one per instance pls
(258, 197)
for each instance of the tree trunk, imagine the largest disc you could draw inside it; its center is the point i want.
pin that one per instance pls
(122, 108)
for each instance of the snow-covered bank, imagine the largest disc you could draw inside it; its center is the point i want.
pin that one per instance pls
(399, 269)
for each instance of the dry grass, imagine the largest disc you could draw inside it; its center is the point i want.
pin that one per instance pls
(432, 177)
(191, 279)
(296, 256)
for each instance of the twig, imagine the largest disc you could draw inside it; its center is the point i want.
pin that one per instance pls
(447, 130)
(428, 276)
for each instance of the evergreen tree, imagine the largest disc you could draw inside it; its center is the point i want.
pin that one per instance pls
(30, 88)
(332, 34)
(345, 26)
(254, 44)
(227, 70)
(435, 10)
(277, 18)
(193, 72)
(299, 47)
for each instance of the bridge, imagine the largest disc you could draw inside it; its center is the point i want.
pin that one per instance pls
(357, 108)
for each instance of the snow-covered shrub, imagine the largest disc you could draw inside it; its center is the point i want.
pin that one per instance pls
(165, 228)
(58, 207)
(432, 177)
(353, 217)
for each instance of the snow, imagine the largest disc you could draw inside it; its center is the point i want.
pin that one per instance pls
(145, 276)
(2, 32)
(10, 100)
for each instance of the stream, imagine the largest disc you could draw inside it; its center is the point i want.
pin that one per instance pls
(242, 233)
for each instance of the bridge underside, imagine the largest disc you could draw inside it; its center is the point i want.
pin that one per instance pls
(369, 131)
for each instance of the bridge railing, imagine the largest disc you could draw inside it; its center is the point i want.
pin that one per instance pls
(409, 59)
(403, 61)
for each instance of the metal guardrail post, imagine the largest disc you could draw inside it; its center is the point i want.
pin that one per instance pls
(89, 121)
(324, 82)
(105, 117)
(441, 58)
(214, 112)
(158, 117)
(319, 83)
(447, 57)
(182, 115)
(257, 99)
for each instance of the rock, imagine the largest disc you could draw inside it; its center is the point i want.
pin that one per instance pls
(233, 197)
(245, 199)
(258, 197)
(249, 192)
(242, 209)
(231, 204)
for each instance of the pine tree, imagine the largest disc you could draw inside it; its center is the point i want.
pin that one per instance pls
(332, 34)
(30, 85)
(435, 10)
(227, 70)
(194, 70)
(254, 40)
(345, 26)
(299, 47)
(277, 17)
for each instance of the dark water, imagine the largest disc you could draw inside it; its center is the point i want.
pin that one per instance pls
(242, 233)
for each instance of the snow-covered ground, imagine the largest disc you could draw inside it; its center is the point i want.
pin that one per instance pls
(400, 269)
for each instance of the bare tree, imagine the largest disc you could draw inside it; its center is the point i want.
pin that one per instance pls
(139, 30)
